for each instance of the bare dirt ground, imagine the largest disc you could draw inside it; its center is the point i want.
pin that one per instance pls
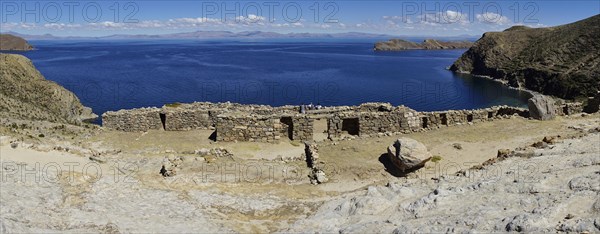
(261, 187)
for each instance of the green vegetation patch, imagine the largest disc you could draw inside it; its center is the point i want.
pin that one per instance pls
(436, 158)
(173, 105)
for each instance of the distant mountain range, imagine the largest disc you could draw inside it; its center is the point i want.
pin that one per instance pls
(237, 35)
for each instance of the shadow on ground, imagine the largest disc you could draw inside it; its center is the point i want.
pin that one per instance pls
(391, 168)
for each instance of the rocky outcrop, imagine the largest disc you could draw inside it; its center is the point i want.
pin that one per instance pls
(407, 154)
(26, 94)
(10, 42)
(171, 165)
(562, 61)
(428, 44)
(559, 193)
(541, 107)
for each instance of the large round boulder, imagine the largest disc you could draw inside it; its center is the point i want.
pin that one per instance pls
(541, 107)
(408, 154)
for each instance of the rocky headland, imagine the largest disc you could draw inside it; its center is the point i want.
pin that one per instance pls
(428, 44)
(14, 43)
(26, 94)
(562, 61)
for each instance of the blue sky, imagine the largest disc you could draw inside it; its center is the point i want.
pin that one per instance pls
(411, 18)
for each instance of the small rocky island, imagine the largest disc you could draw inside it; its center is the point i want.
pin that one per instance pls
(428, 44)
(560, 61)
(14, 43)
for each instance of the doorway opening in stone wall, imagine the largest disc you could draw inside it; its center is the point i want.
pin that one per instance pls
(289, 125)
(490, 115)
(320, 129)
(351, 126)
(425, 122)
(163, 120)
(444, 118)
(470, 118)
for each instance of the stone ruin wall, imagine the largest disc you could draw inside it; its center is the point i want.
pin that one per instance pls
(261, 128)
(182, 117)
(302, 128)
(454, 117)
(250, 128)
(136, 120)
(186, 119)
(236, 122)
(571, 108)
(369, 122)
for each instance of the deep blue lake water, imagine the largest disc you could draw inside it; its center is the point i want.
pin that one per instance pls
(113, 75)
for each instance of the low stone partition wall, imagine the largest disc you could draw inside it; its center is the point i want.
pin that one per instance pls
(137, 120)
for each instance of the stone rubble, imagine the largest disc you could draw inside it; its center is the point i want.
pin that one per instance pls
(171, 165)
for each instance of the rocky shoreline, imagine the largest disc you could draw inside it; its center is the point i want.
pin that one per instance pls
(561, 61)
(26, 94)
(427, 44)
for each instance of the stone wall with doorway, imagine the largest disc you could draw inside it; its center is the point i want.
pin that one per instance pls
(336, 125)
(455, 117)
(237, 122)
(379, 119)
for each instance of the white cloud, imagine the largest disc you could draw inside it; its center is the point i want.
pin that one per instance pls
(427, 24)
(13, 26)
(447, 17)
(493, 18)
(250, 19)
(61, 26)
(202, 20)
